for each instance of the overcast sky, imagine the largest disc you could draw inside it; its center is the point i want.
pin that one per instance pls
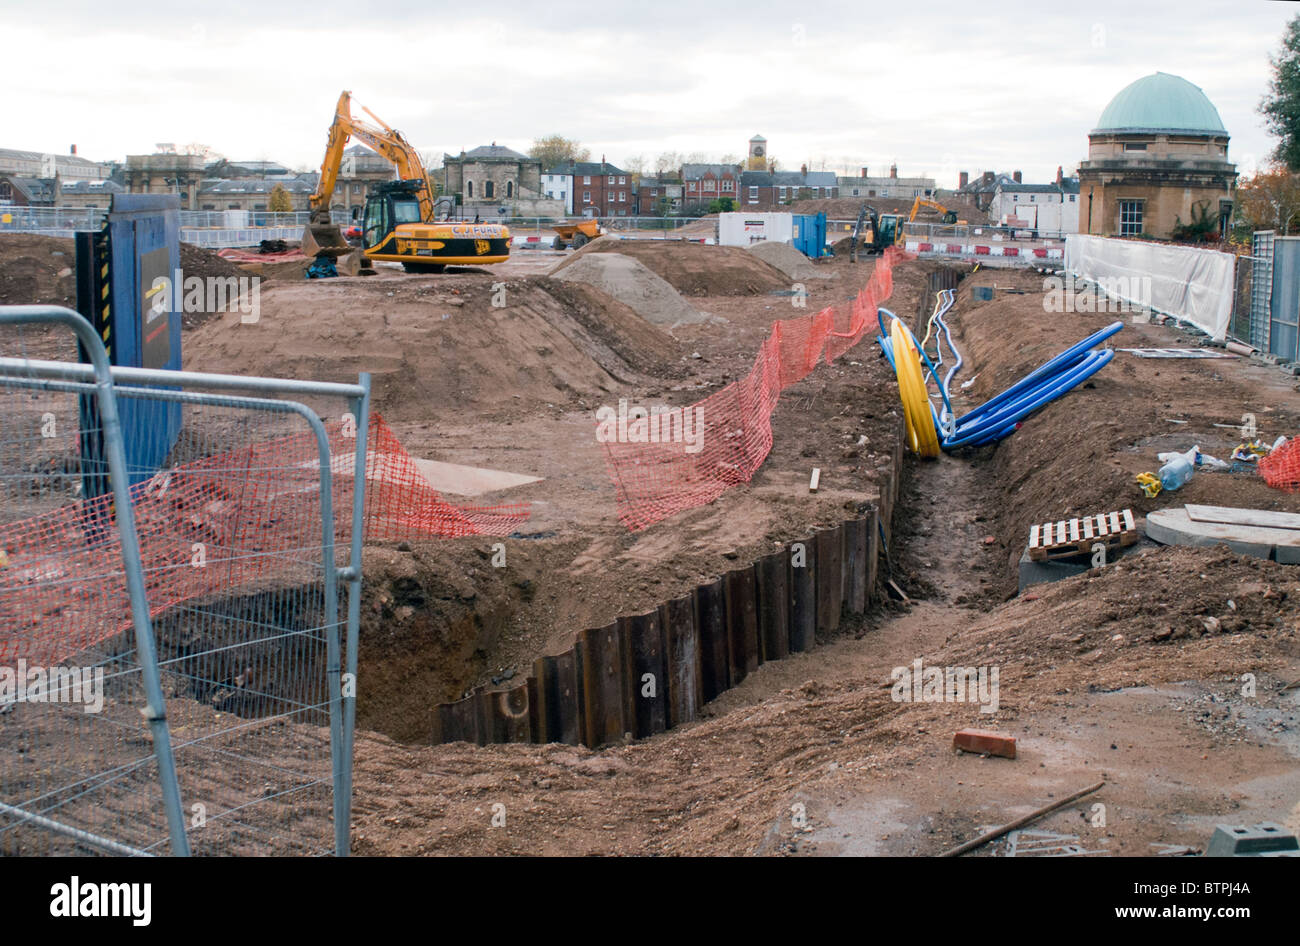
(937, 87)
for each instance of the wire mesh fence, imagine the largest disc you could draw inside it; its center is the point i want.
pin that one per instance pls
(218, 677)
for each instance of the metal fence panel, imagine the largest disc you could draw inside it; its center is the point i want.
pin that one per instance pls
(247, 538)
(1261, 288)
(1284, 299)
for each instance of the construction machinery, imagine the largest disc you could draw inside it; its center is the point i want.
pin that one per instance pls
(575, 233)
(402, 221)
(888, 229)
(948, 216)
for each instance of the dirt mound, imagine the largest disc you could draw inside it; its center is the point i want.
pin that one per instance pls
(631, 283)
(789, 260)
(694, 269)
(439, 343)
(37, 269)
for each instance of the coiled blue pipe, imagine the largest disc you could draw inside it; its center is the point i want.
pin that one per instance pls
(1002, 414)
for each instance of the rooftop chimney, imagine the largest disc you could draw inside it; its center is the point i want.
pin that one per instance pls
(988, 177)
(864, 172)
(74, 150)
(963, 179)
(1015, 176)
(803, 169)
(893, 170)
(1059, 175)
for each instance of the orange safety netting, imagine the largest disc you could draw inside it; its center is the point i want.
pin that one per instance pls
(1281, 467)
(246, 518)
(663, 461)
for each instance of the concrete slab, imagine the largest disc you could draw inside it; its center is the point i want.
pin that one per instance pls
(1176, 527)
(469, 480)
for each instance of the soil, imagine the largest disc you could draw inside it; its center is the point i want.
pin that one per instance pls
(694, 269)
(626, 279)
(1132, 674)
(1162, 673)
(789, 260)
(37, 270)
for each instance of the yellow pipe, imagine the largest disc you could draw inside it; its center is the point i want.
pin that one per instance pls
(922, 438)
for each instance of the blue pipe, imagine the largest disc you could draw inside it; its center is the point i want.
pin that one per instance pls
(1001, 415)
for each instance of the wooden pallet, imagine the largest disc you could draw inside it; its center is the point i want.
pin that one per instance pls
(1068, 537)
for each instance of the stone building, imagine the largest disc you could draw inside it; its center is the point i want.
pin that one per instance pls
(165, 173)
(492, 177)
(893, 186)
(1157, 161)
(35, 164)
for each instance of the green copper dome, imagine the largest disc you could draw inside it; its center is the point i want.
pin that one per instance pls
(1161, 102)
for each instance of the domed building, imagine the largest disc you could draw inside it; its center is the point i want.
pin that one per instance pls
(1157, 160)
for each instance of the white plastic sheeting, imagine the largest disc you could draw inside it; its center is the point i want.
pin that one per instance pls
(1191, 284)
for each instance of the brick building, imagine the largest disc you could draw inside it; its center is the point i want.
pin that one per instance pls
(595, 189)
(705, 183)
(772, 190)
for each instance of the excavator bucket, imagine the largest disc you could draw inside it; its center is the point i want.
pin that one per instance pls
(327, 238)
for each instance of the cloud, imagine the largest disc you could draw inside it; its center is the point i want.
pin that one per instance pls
(937, 88)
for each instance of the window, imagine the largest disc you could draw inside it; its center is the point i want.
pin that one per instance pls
(611, 178)
(586, 197)
(489, 190)
(692, 185)
(586, 179)
(469, 189)
(710, 185)
(728, 186)
(622, 197)
(510, 188)
(622, 179)
(1071, 198)
(753, 195)
(1135, 146)
(1130, 217)
(1031, 198)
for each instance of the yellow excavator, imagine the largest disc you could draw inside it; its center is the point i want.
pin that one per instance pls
(400, 223)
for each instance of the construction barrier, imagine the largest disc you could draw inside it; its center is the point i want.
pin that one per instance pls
(236, 511)
(645, 673)
(1281, 467)
(685, 457)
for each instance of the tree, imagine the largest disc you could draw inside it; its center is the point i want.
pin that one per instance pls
(280, 202)
(668, 164)
(1270, 200)
(554, 150)
(1281, 106)
(635, 166)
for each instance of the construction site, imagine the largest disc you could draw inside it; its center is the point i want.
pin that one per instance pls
(850, 526)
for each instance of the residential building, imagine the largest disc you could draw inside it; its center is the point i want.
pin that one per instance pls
(87, 194)
(16, 191)
(1047, 209)
(595, 189)
(772, 190)
(979, 191)
(658, 197)
(893, 186)
(705, 183)
(1157, 162)
(252, 194)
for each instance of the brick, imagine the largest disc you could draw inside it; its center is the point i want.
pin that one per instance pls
(985, 741)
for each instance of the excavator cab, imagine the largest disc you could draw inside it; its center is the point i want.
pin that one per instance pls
(387, 207)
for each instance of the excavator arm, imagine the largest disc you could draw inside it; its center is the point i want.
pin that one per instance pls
(383, 140)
